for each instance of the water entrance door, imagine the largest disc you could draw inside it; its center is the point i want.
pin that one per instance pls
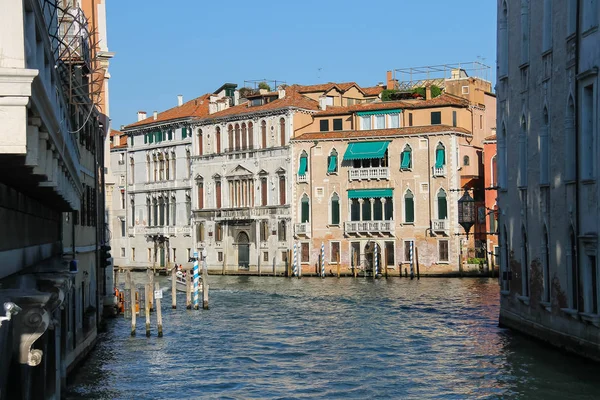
(243, 250)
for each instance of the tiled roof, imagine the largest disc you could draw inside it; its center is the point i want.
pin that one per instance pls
(197, 107)
(122, 139)
(373, 90)
(442, 100)
(411, 130)
(291, 99)
(324, 87)
(114, 132)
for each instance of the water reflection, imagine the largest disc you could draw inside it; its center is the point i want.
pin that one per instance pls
(347, 338)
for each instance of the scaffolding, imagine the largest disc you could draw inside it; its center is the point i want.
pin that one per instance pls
(253, 84)
(407, 79)
(76, 52)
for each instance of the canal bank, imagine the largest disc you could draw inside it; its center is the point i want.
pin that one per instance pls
(335, 338)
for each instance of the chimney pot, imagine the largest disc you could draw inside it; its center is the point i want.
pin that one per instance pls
(179, 99)
(427, 92)
(155, 115)
(390, 81)
(141, 115)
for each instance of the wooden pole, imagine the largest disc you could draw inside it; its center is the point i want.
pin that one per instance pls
(417, 261)
(158, 312)
(174, 288)
(288, 257)
(355, 257)
(188, 290)
(133, 310)
(274, 258)
(338, 264)
(147, 293)
(205, 288)
(385, 263)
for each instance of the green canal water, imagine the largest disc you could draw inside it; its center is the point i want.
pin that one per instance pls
(279, 338)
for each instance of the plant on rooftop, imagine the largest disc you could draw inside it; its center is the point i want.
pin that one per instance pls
(386, 94)
(435, 91)
(264, 85)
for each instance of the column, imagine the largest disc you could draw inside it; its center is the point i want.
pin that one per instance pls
(360, 208)
(372, 201)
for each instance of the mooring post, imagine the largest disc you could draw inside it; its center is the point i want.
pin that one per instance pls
(196, 278)
(385, 263)
(147, 294)
(417, 261)
(355, 263)
(188, 290)
(204, 282)
(174, 287)
(158, 310)
(338, 264)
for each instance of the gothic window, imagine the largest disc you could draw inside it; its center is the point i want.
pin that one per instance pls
(282, 131)
(263, 134)
(200, 147)
(335, 209)
(244, 137)
(332, 162)
(442, 205)
(230, 138)
(406, 158)
(237, 136)
(250, 135)
(281, 229)
(218, 139)
(200, 183)
(282, 198)
(409, 207)
(305, 209)
(440, 156)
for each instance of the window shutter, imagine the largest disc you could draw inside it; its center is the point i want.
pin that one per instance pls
(145, 138)
(405, 160)
(305, 211)
(183, 133)
(332, 167)
(409, 209)
(335, 212)
(439, 158)
(442, 208)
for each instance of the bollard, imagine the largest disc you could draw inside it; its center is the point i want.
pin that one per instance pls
(174, 287)
(158, 311)
(147, 293)
(188, 291)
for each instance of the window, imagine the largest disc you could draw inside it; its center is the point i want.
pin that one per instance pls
(436, 117)
(443, 250)
(480, 121)
(284, 257)
(440, 156)
(522, 175)
(200, 183)
(409, 207)
(366, 210)
(282, 131)
(354, 210)
(337, 124)
(525, 31)
(394, 121)
(250, 135)
(282, 231)
(335, 209)
(305, 209)
(189, 254)
(332, 166)
(547, 26)
(589, 14)
(264, 231)
(406, 158)
(237, 137)
(334, 252)
(588, 116)
(170, 134)
(149, 254)
(133, 254)
(503, 40)
(380, 122)
(544, 149)
(220, 256)
(388, 210)
(389, 254)
(230, 137)
(218, 194)
(408, 249)
(465, 90)
(410, 119)
(453, 118)
(200, 232)
(304, 253)
(200, 148)
(377, 209)
(263, 134)
(466, 161)
(570, 148)
(324, 125)
(282, 197)
(244, 137)
(442, 205)
(524, 264)
(218, 232)
(303, 167)
(492, 221)
(365, 122)
(545, 265)
(123, 230)
(263, 191)
(122, 251)
(183, 133)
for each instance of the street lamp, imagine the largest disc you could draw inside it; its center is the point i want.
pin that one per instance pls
(466, 212)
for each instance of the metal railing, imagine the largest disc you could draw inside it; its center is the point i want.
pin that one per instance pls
(369, 227)
(368, 173)
(439, 171)
(440, 225)
(302, 228)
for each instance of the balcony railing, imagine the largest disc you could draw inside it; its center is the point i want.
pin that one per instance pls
(160, 230)
(440, 225)
(368, 227)
(358, 174)
(302, 178)
(302, 228)
(439, 171)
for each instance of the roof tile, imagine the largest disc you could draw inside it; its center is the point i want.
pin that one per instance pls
(411, 130)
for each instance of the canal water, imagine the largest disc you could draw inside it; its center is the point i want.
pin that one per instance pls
(278, 338)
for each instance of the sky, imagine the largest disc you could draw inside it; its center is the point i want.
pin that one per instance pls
(192, 47)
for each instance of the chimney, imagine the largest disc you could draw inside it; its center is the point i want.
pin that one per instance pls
(155, 115)
(179, 99)
(281, 93)
(236, 97)
(323, 102)
(212, 107)
(141, 115)
(427, 92)
(390, 81)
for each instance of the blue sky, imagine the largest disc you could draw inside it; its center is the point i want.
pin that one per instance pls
(194, 46)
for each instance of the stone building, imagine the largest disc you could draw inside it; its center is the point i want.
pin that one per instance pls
(116, 198)
(52, 133)
(547, 86)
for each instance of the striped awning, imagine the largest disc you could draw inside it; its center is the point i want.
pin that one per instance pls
(365, 150)
(370, 193)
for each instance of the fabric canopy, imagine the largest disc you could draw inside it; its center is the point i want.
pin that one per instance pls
(365, 150)
(302, 169)
(440, 158)
(332, 164)
(369, 193)
(405, 162)
(378, 112)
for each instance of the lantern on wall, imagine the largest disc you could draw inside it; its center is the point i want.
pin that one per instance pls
(466, 212)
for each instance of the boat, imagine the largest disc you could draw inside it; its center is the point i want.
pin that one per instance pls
(180, 285)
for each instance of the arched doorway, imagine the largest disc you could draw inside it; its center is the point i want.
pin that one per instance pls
(243, 244)
(370, 258)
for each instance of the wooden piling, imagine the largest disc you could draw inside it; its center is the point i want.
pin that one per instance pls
(188, 290)
(385, 263)
(174, 288)
(355, 260)
(133, 310)
(274, 263)
(147, 292)
(205, 288)
(417, 261)
(338, 264)
(158, 312)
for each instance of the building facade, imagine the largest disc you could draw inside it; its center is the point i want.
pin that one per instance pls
(547, 170)
(51, 152)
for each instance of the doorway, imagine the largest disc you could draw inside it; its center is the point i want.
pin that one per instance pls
(243, 244)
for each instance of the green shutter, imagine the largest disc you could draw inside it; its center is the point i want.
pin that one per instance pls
(335, 212)
(150, 138)
(439, 158)
(145, 138)
(305, 211)
(409, 209)
(183, 133)
(442, 208)
(405, 160)
(302, 169)
(170, 134)
(332, 164)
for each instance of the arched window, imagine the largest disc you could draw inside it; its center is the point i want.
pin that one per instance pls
(230, 137)
(544, 149)
(409, 207)
(570, 150)
(131, 171)
(263, 134)
(200, 147)
(335, 209)
(442, 205)
(263, 191)
(524, 31)
(545, 265)
(218, 193)
(440, 160)
(524, 263)
(218, 139)
(132, 205)
(332, 162)
(155, 211)
(406, 158)
(250, 135)
(505, 260)
(466, 161)
(149, 211)
(281, 230)
(200, 184)
(305, 209)
(282, 131)
(303, 165)
(282, 197)
(522, 177)
(244, 137)
(494, 172)
(237, 136)
(200, 232)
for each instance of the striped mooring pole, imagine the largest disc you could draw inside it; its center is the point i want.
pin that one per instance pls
(295, 260)
(412, 270)
(322, 260)
(196, 304)
(376, 262)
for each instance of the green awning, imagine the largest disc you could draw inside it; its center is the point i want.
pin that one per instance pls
(405, 160)
(378, 112)
(440, 158)
(302, 169)
(332, 164)
(365, 150)
(368, 193)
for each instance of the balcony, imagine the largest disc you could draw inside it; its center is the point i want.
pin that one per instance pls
(302, 178)
(440, 226)
(302, 229)
(359, 174)
(160, 230)
(379, 228)
(439, 171)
